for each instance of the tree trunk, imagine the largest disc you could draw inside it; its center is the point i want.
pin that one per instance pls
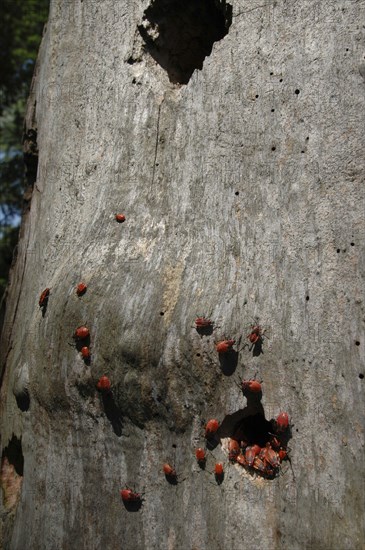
(230, 137)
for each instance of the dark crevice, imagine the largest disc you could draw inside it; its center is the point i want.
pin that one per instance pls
(254, 428)
(179, 34)
(14, 454)
(23, 400)
(30, 149)
(252, 433)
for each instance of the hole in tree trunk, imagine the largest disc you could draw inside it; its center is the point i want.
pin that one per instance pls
(12, 464)
(179, 34)
(30, 148)
(13, 452)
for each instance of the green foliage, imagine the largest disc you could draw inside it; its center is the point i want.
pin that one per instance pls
(8, 241)
(21, 29)
(20, 35)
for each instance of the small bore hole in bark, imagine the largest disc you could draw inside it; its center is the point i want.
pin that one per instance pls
(307, 298)
(180, 35)
(162, 313)
(352, 244)
(361, 376)
(357, 343)
(338, 251)
(273, 148)
(297, 92)
(237, 193)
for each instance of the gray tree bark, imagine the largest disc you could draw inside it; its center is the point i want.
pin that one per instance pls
(243, 193)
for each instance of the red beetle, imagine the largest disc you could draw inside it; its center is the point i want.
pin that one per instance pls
(259, 464)
(225, 346)
(130, 496)
(275, 442)
(200, 456)
(218, 470)
(252, 386)
(241, 460)
(251, 453)
(233, 450)
(203, 322)
(104, 384)
(282, 454)
(120, 218)
(256, 448)
(81, 289)
(43, 299)
(282, 422)
(211, 427)
(263, 467)
(256, 334)
(85, 352)
(81, 333)
(169, 470)
(271, 456)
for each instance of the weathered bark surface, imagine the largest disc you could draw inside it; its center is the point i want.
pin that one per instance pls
(243, 194)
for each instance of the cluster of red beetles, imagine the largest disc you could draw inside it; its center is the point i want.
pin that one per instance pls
(262, 460)
(265, 460)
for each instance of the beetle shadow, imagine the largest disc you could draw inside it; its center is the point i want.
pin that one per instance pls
(112, 412)
(257, 348)
(219, 478)
(134, 505)
(202, 464)
(205, 331)
(171, 479)
(44, 308)
(212, 442)
(228, 362)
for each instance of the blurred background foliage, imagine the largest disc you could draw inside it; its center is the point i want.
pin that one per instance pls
(21, 28)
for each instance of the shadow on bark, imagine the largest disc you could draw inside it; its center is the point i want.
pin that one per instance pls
(112, 413)
(228, 362)
(179, 34)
